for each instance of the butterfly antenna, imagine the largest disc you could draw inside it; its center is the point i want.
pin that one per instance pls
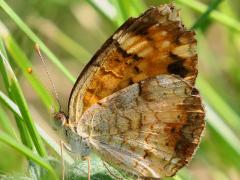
(54, 91)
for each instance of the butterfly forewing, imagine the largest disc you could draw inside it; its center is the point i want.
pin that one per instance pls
(154, 43)
(150, 129)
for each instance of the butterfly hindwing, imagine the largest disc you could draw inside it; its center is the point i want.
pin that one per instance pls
(149, 129)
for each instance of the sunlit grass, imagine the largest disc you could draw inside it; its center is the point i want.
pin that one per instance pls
(29, 135)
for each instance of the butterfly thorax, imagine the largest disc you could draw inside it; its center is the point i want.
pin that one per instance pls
(78, 144)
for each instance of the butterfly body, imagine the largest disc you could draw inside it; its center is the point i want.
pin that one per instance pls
(134, 104)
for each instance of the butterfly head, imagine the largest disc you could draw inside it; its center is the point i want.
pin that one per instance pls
(78, 144)
(60, 119)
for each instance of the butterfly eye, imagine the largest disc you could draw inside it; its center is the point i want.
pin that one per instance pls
(59, 120)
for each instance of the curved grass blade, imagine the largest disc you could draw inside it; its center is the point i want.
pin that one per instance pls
(103, 10)
(223, 130)
(14, 108)
(4, 120)
(218, 104)
(121, 8)
(35, 39)
(214, 4)
(27, 152)
(216, 15)
(22, 104)
(7, 82)
(24, 63)
(138, 6)
(80, 53)
(125, 9)
(5, 123)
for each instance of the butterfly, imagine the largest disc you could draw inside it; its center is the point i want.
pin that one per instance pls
(135, 104)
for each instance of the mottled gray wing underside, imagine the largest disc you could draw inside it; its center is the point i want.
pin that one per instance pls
(150, 128)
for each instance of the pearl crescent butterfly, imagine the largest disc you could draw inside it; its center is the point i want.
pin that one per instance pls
(135, 104)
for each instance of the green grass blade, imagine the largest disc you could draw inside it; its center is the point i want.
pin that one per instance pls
(24, 63)
(27, 152)
(216, 15)
(35, 39)
(25, 136)
(103, 11)
(120, 17)
(214, 4)
(124, 9)
(138, 6)
(14, 108)
(216, 143)
(212, 97)
(26, 140)
(10, 104)
(7, 82)
(5, 123)
(3, 71)
(223, 130)
(131, 8)
(4, 120)
(79, 52)
(20, 124)
(21, 102)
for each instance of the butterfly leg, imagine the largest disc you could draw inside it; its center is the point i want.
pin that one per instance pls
(62, 160)
(89, 166)
(70, 150)
(64, 146)
(113, 175)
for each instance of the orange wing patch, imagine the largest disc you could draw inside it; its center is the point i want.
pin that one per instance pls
(154, 43)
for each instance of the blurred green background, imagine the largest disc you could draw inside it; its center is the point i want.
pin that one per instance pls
(68, 33)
